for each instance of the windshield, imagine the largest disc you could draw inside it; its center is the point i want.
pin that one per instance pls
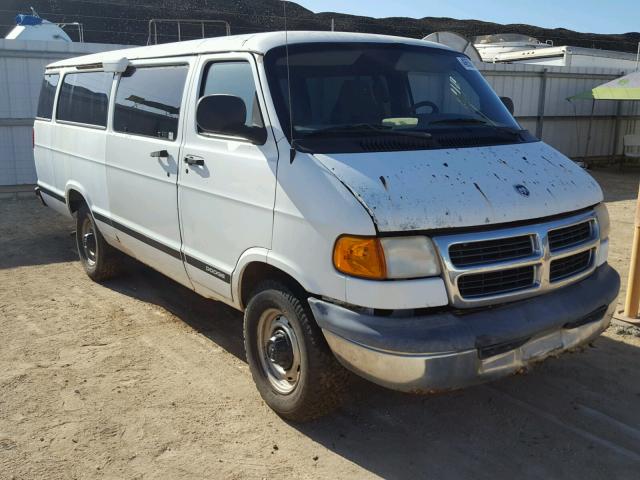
(346, 90)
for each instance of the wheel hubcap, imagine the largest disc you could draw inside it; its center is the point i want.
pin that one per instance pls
(279, 351)
(88, 241)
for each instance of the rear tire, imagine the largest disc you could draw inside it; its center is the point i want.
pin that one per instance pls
(99, 259)
(290, 361)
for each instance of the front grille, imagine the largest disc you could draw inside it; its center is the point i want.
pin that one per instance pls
(490, 251)
(485, 267)
(496, 282)
(569, 266)
(569, 236)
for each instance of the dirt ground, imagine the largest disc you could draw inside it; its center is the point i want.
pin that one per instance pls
(141, 378)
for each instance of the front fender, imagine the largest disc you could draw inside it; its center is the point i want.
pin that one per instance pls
(251, 255)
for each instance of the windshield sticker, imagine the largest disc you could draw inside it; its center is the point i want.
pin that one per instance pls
(466, 63)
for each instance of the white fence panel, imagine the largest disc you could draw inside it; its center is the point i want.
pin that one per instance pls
(22, 64)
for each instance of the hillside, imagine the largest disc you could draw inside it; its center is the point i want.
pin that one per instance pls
(125, 21)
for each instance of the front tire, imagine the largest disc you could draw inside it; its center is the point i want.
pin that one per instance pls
(290, 361)
(99, 259)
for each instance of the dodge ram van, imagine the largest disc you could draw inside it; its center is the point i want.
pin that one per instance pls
(367, 201)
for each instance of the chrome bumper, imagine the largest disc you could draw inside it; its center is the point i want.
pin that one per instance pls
(446, 371)
(412, 355)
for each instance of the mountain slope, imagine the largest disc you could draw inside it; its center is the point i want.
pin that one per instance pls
(126, 21)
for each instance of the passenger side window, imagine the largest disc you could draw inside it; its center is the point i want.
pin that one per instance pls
(84, 98)
(234, 78)
(148, 101)
(47, 96)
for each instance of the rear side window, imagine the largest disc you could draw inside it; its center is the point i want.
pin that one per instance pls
(47, 96)
(148, 101)
(234, 78)
(84, 98)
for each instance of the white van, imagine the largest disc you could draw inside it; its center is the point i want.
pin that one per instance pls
(367, 201)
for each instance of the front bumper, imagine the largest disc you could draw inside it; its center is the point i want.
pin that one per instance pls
(450, 350)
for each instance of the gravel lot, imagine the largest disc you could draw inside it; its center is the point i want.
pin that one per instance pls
(141, 378)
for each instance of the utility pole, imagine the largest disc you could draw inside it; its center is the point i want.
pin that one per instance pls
(632, 301)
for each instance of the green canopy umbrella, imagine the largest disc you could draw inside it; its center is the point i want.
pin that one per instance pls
(623, 88)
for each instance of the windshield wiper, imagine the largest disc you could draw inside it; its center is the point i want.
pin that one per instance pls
(479, 121)
(462, 120)
(366, 128)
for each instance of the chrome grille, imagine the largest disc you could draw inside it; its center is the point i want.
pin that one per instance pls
(569, 236)
(569, 266)
(494, 266)
(498, 282)
(476, 253)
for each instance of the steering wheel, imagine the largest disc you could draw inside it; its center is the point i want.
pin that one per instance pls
(424, 103)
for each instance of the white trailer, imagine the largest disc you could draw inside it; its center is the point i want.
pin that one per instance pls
(570, 57)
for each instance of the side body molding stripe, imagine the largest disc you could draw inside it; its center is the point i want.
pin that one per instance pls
(194, 262)
(52, 194)
(138, 236)
(211, 270)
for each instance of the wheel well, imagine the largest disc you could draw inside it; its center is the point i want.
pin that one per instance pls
(256, 272)
(75, 200)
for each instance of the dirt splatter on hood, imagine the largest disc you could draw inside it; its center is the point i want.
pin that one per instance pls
(448, 188)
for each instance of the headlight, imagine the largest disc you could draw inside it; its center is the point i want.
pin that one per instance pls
(604, 224)
(386, 258)
(410, 257)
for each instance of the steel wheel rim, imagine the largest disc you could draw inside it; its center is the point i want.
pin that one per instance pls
(88, 244)
(279, 351)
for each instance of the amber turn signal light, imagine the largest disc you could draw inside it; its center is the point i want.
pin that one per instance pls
(360, 257)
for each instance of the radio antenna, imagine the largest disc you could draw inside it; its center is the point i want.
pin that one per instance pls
(292, 151)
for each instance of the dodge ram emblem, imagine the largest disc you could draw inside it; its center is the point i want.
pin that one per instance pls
(522, 190)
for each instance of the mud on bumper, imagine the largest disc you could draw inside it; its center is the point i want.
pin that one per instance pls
(453, 349)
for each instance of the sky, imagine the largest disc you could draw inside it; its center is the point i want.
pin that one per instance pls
(593, 16)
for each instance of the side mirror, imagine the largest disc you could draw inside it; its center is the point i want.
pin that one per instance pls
(508, 103)
(223, 114)
(227, 115)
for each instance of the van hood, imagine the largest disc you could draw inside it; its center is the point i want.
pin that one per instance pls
(463, 187)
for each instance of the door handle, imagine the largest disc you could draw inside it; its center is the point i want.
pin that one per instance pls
(159, 154)
(194, 160)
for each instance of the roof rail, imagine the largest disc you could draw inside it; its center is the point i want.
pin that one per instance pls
(152, 38)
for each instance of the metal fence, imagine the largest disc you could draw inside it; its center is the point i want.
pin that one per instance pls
(539, 94)
(541, 106)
